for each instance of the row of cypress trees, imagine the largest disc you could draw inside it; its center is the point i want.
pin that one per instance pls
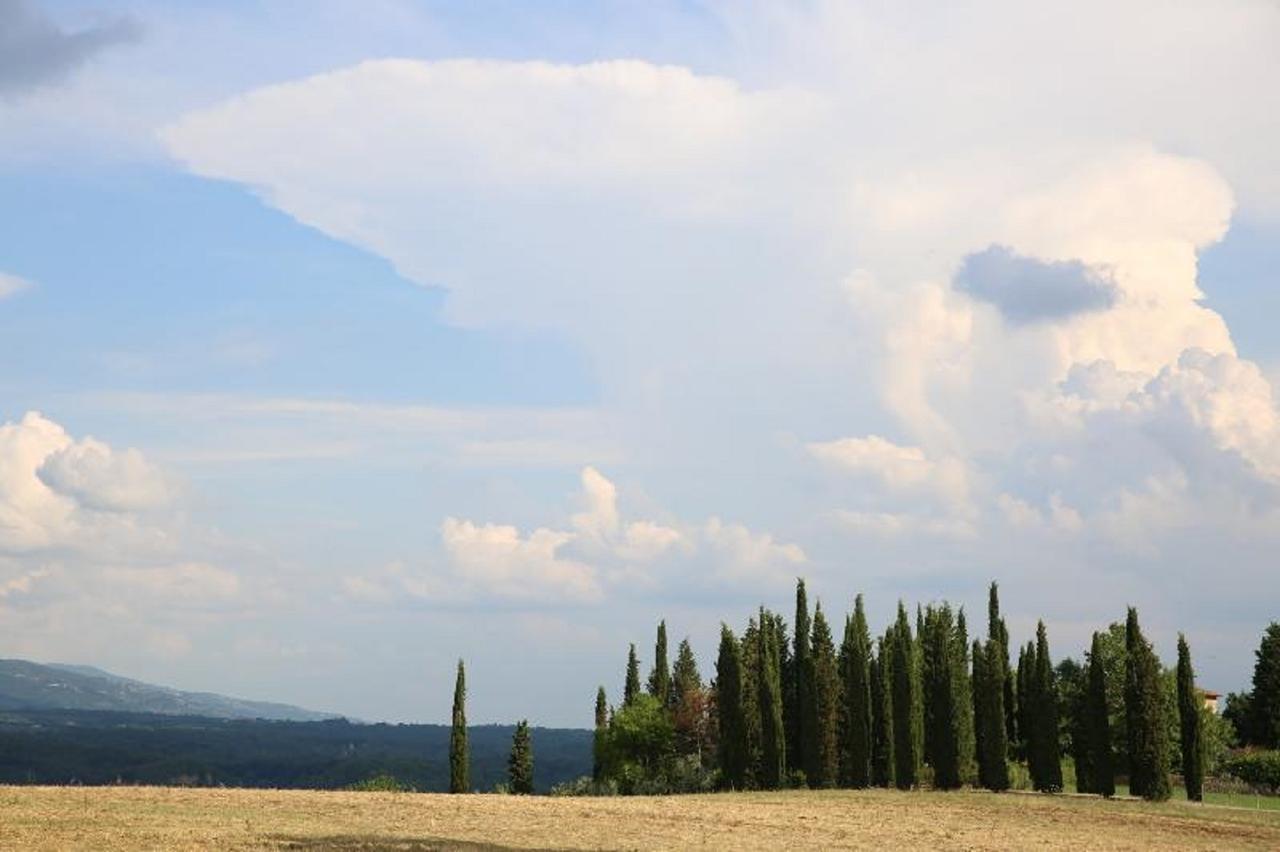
(875, 712)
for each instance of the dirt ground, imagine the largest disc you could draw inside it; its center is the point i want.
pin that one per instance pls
(176, 818)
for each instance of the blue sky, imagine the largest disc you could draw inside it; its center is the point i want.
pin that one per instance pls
(365, 337)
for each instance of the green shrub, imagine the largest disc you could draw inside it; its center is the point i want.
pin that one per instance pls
(1258, 769)
(381, 783)
(585, 786)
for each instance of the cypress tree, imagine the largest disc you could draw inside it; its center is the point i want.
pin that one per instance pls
(826, 694)
(981, 683)
(999, 633)
(928, 683)
(632, 687)
(773, 746)
(1026, 659)
(1192, 725)
(1073, 687)
(803, 744)
(1144, 716)
(940, 697)
(1263, 719)
(660, 676)
(749, 647)
(520, 763)
(988, 696)
(882, 762)
(917, 690)
(906, 748)
(459, 757)
(966, 745)
(1098, 725)
(602, 728)
(856, 674)
(685, 677)
(1046, 772)
(733, 747)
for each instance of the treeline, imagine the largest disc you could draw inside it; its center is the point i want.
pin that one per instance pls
(96, 747)
(923, 704)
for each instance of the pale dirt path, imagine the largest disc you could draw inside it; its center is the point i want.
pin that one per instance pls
(172, 818)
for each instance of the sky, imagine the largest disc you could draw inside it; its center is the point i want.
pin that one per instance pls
(344, 340)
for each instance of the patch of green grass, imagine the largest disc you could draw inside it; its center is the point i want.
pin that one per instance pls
(1233, 800)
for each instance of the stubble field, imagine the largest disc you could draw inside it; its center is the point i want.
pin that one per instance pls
(175, 818)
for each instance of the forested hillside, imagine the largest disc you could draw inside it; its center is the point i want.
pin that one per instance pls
(92, 747)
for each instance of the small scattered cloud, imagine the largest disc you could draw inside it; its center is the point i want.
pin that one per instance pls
(746, 555)
(35, 51)
(11, 285)
(601, 550)
(500, 560)
(897, 468)
(1027, 290)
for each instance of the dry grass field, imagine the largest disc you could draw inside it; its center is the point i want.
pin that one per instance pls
(173, 818)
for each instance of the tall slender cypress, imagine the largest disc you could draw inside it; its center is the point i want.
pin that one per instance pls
(733, 746)
(826, 701)
(1043, 749)
(601, 731)
(906, 748)
(856, 673)
(966, 746)
(459, 757)
(981, 684)
(993, 756)
(917, 690)
(940, 697)
(520, 763)
(773, 746)
(999, 633)
(1098, 715)
(749, 648)
(882, 762)
(1144, 716)
(1026, 664)
(803, 744)
(632, 686)
(660, 676)
(1191, 724)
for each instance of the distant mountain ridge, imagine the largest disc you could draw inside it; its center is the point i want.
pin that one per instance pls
(25, 685)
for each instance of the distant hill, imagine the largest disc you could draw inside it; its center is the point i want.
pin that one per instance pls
(101, 747)
(34, 686)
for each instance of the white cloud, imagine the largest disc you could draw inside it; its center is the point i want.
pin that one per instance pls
(582, 565)
(99, 478)
(498, 559)
(11, 285)
(189, 581)
(754, 557)
(891, 525)
(897, 468)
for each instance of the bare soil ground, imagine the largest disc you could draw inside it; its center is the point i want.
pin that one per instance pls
(174, 818)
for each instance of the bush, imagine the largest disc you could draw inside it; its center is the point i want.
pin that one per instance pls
(585, 786)
(382, 783)
(1259, 769)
